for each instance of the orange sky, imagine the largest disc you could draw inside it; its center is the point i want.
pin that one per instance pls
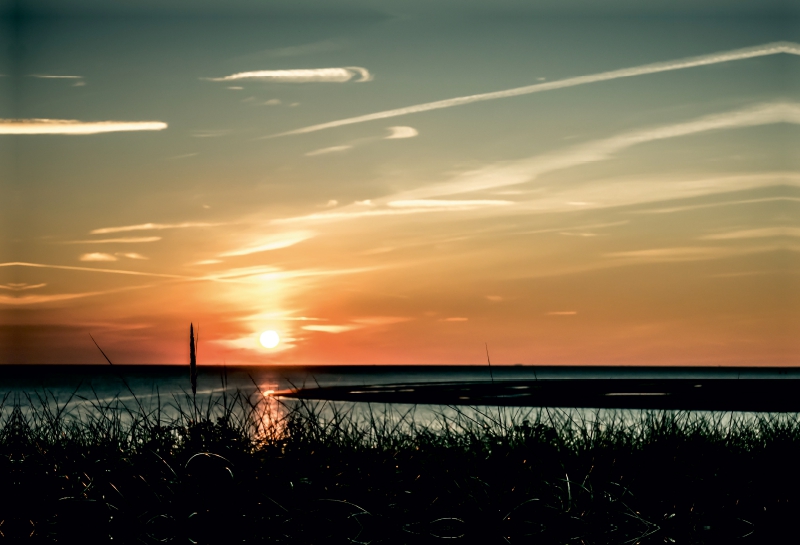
(395, 191)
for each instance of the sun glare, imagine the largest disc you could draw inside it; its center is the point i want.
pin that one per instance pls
(269, 339)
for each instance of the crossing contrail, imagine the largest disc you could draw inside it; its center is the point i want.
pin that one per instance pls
(774, 48)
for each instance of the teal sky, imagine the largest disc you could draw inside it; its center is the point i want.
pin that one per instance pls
(643, 217)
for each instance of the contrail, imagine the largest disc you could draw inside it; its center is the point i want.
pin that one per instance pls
(73, 127)
(774, 48)
(92, 269)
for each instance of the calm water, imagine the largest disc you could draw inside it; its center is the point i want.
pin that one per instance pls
(88, 385)
(169, 380)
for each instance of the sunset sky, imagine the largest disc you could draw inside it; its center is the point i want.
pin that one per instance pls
(391, 183)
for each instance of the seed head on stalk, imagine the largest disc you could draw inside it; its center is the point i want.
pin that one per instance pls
(193, 359)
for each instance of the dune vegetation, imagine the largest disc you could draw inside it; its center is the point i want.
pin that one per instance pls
(245, 467)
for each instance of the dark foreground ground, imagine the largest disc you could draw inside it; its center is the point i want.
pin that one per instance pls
(245, 469)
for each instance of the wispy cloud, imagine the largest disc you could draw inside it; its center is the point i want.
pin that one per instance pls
(455, 319)
(151, 227)
(13, 286)
(39, 299)
(74, 127)
(261, 273)
(303, 75)
(680, 64)
(395, 133)
(763, 232)
(433, 203)
(673, 209)
(692, 253)
(563, 313)
(563, 229)
(91, 269)
(122, 240)
(393, 208)
(517, 172)
(212, 133)
(401, 132)
(97, 256)
(332, 149)
(332, 328)
(568, 198)
(50, 76)
(348, 213)
(58, 297)
(382, 320)
(271, 242)
(131, 255)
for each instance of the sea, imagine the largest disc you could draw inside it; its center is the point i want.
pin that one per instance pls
(76, 388)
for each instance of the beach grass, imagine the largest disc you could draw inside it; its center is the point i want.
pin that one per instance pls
(245, 467)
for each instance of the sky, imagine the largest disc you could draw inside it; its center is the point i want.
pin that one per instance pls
(395, 183)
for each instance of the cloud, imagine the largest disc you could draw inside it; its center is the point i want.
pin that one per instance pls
(561, 229)
(674, 254)
(39, 299)
(401, 132)
(455, 319)
(382, 320)
(211, 133)
(431, 203)
(74, 127)
(395, 208)
(263, 273)
(563, 313)
(123, 240)
(90, 269)
(131, 255)
(12, 286)
(271, 242)
(98, 257)
(525, 170)
(48, 76)
(150, 227)
(494, 298)
(303, 75)
(348, 215)
(611, 193)
(664, 255)
(56, 297)
(712, 205)
(756, 233)
(331, 328)
(680, 64)
(332, 149)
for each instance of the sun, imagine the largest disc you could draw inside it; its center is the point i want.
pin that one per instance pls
(269, 339)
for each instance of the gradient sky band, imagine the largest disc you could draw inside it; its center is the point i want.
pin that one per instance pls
(774, 48)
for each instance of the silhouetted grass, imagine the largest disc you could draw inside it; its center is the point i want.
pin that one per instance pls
(243, 467)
